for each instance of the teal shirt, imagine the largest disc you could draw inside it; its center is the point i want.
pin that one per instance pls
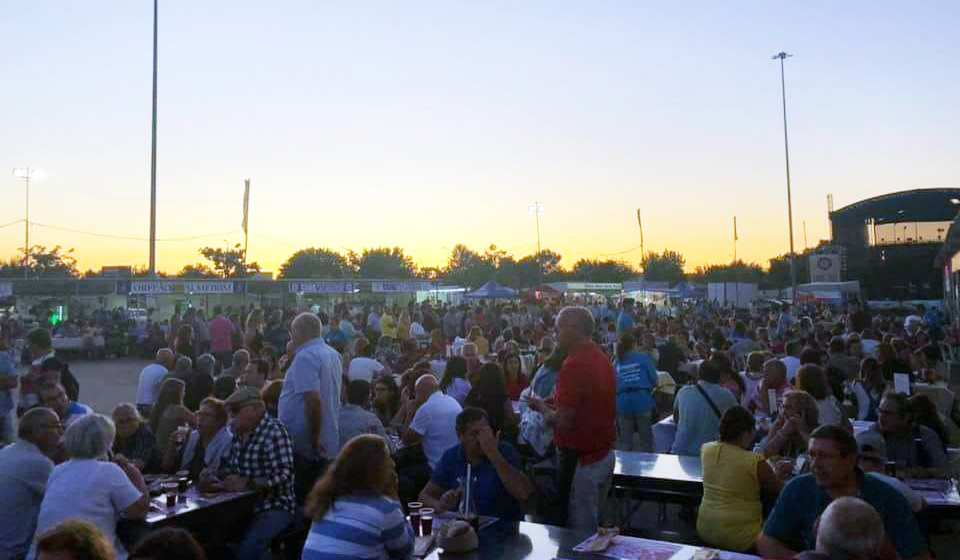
(802, 501)
(636, 379)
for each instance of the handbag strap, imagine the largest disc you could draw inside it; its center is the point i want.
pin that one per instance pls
(709, 400)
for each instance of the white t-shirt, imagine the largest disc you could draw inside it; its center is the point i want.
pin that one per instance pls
(436, 422)
(151, 377)
(793, 364)
(91, 490)
(363, 368)
(417, 330)
(749, 385)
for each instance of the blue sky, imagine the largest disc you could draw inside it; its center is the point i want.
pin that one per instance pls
(426, 124)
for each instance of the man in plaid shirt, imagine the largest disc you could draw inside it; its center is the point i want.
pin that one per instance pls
(260, 459)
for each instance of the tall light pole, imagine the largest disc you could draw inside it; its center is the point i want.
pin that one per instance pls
(536, 209)
(26, 174)
(153, 155)
(786, 148)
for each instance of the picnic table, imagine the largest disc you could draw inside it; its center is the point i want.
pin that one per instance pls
(533, 541)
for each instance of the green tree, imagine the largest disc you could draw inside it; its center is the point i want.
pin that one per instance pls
(596, 270)
(198, 270)
(737, 271)
(383, 262)
(43, 263)
(779, 276)
(316, 262)
(466, 267)
(663, 267)
(229, 263)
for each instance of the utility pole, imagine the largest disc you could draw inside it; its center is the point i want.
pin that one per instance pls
(786, 148)
(642, 254)
(153, 155)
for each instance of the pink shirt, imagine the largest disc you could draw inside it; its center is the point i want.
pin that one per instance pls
(221, 335)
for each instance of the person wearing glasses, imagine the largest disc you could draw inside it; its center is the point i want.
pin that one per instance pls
(25, 466)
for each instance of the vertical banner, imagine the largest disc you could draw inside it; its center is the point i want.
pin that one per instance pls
(246, 203)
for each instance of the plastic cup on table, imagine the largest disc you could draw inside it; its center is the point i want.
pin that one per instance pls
(170, 491)
(414, 510)
(426, 521)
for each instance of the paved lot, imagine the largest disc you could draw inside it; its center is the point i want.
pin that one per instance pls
(105, 383)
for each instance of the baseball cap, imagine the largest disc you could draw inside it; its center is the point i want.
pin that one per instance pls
(871, 445)
(242, 396)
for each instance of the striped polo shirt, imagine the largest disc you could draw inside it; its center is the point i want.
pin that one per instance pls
(360, 527)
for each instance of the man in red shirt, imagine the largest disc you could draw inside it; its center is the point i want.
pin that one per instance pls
(221, 338)
(584, 419)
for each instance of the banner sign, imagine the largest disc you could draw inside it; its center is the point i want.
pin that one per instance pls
(157, 287)
(402, 286)
(825, 268)
(321, 287)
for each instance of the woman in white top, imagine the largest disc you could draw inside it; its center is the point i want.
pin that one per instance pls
(89, 487)
(812, 379)
(868, 389)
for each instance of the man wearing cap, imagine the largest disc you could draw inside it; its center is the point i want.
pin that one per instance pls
(791, 526)
(873, 459)
(260, 460)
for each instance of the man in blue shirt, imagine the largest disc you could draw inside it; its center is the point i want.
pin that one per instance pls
(499, 488)
(833, 462)
(625, 320)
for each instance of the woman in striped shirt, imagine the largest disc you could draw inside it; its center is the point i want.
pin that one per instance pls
(355, 507)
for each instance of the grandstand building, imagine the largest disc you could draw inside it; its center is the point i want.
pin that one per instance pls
(890, 243)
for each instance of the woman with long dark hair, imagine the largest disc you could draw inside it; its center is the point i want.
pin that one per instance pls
(513, 377)
(489, 392)
(636, 379)
(360, 485)
(454, 382)
(386, 399)
(869, 389)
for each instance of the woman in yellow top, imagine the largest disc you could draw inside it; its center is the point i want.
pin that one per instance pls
(403, 325)
(731, 514)
(388, 327)
(476, 337)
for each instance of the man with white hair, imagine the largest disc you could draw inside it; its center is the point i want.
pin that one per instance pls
(584, 419)
(238, 364)
(309, 403)
(849, 529)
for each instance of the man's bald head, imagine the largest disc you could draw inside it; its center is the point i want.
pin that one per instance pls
(850, 529)
(306, 327)
(165, 356)
(426, 385)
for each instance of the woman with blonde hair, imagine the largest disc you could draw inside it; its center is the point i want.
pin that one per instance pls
(358, 492)
(74, 540)
(790, 434)
(476, 337)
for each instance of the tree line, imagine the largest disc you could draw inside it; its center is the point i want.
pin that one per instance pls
(464, 267)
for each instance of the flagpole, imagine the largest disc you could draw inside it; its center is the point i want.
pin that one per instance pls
(736, 273)
(246, 211)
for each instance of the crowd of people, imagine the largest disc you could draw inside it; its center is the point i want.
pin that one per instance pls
(356, 413)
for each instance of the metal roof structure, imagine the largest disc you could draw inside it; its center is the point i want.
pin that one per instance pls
(917, 205)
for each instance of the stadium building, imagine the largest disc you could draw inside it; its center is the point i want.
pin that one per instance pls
(890, 243)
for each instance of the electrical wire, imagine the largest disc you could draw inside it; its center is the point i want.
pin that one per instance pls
(130, 238)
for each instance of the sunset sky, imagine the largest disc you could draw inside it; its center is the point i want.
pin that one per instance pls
(424, 124)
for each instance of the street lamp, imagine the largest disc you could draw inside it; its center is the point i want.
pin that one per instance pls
(153, 155)
(26, 174)
(786, 148)
(536, 209)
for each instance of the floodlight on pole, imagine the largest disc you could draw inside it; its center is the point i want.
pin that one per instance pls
(153, 155)
(786, 148)
(26, 174)
(536, 209)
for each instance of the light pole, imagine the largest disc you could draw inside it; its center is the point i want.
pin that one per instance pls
(26, 174)
(153, 155)
(786, 148)
(536, 209)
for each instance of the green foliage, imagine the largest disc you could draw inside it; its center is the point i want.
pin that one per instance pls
(383, 262)
(595, 270)
(42, 263)
(229, 263)
(737, 271)
(198, 270)
(663, 267)
(316, 262)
